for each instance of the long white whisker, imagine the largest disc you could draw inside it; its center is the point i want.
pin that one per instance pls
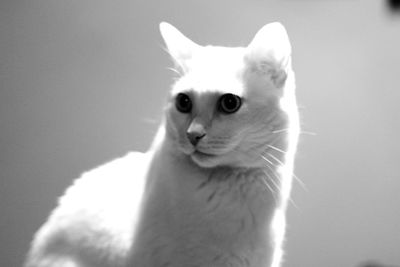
(269, 166)
(302, 184)
(269, 186)
(274, 182)
(267, 160)
(276, 159)
(175, 71)
(269, 177)
(309, 133)
(293, 203)
(281, 130)
(277, 149)
(301, 132)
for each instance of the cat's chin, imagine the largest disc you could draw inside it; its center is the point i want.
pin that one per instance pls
(205, 160)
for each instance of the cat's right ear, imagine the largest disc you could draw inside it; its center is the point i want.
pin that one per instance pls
(269, 53)
(179, 46)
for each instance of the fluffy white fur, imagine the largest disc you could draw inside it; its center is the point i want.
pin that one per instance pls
(218, 203)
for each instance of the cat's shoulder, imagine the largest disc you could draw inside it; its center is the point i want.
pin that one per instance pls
(126, 166)
(97, 212)
(123, 175)
(101, 197)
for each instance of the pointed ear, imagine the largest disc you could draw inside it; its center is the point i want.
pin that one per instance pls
(179, 46)
(269, 53)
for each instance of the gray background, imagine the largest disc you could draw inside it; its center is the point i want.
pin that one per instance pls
(82, 82)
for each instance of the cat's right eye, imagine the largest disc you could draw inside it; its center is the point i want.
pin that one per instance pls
(183, 103)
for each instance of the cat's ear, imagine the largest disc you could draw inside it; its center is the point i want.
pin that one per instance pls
(269, 53)
(179, 46)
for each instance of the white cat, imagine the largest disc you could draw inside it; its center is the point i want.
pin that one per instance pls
(213, 188)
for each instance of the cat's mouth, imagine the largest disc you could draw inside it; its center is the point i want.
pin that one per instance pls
(201, 154)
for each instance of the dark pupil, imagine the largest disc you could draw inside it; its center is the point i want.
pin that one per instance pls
(230, 103)
(183, 103)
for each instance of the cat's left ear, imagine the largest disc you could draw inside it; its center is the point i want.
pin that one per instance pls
(179, 46)
(269, 53)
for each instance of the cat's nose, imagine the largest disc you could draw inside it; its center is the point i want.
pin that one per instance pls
(195, 132)
(195, 137)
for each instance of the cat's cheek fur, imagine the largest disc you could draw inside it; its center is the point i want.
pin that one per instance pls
(176, 124)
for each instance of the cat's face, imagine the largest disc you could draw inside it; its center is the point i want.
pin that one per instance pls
(225, 109)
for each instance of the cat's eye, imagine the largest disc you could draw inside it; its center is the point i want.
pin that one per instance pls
(229, 103)
(183, 103)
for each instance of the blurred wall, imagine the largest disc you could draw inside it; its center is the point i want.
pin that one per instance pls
(82, 82)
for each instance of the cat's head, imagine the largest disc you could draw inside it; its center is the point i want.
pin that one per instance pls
(230, 105)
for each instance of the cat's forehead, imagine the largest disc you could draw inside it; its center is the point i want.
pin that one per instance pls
(213, 70)
(206, 86)
(216, 61)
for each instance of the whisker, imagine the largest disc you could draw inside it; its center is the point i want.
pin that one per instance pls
(293, 203)
(302, 184)
(272, 172)
(274, 182)
(267, 160)
(276, 159)
(269, 186)
(281, 130)
(278, 187)
(151, 121)
(284, 130)
(308, 133)
(270, 166)
(264, 181)
(175, 71)
(277, 149)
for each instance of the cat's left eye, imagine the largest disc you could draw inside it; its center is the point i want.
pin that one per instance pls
(229, 103)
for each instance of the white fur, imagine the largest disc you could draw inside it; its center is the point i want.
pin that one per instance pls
(219, 203)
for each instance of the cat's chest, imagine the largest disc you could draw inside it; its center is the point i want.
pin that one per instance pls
(234, 201)
(192, 216)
